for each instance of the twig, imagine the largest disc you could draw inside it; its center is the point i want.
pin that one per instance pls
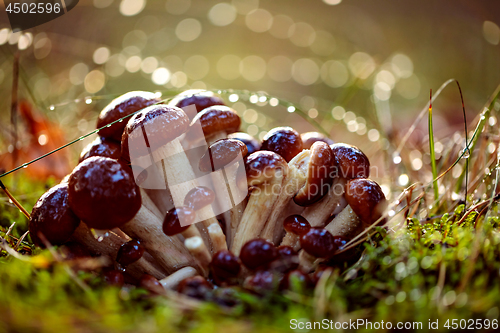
(11, 197)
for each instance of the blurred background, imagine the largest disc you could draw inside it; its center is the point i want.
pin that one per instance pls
(361, 69)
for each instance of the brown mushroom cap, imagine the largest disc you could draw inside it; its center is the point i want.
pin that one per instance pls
(199, 197)
(178, 220)
(221, 153)
(261, 167)
(202, 99)
(120, 107)
(101, 147)
(320, 174)
(366, 199)
(252, 144)
(319, 242)
(103, 193)
(216, 119)
(161, 123)
(309, 138)
(296, 224)
(284, 141)
(352, 162)
(52, 217)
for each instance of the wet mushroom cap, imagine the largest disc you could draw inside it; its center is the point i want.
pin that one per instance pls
(199, 197)
(201, 99)
(172, 222)
(318, 242)
(120, 107)
(130, 252)
(52, 217)
(221, 153)
(284, 141)
(296, 224)
(114, 277)
(296, 279)
(320, 174)
(103, 193)
(160, 123)
(225, 265)
(196, 287)
(151, 284)
(101, 146)
(309, 138)
(252, 144)
(261, 166)
(216, 119)
(351, 161)
(262, 282)
(258, 253)
(366, 199)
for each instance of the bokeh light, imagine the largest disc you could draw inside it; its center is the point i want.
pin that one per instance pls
(222, 14)
(188, 30)
(253, 68)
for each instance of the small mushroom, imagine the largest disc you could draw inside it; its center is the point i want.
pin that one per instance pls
(309, 138)
(195, 287)
(224, 160)
(311, 173)
(120, 107)
(258, 253)
(180, 221)
(103, 194)
(101, 146)
(252, 144)
(52, 220)
(265, 173)
(216, 123)
(199, 98)
(366, 204)
(284, 141)
(225, 267)
(130, 252)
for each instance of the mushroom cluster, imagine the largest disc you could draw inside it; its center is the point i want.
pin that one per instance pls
(176, 198)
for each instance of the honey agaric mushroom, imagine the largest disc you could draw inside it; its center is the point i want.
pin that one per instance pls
(351, 163)
(309, 138)
(172, 226)
(120, 107)
(265, 173)
(103, 194)
(252, 144)
(216, 122)
(366, 204)
(309, 178)
(258, 253)
(52, 220)
(161, 126)
(225, 267)
(284, 141)
(130, 252)
(101, 146)
(224, 161)
(201, 99)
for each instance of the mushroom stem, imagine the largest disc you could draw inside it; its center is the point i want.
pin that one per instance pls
(109, 246)
(168, 251)
(172, 281)
(198, 250)
(149, 204)
(258, 210)
(346, 224)
(293, 182)
(307, 262)
(181, 178)
(318, 213)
